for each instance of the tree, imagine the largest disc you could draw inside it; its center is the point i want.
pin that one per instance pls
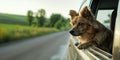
(59, 24)
(30, 17)
(54, 18)
(62, 23)
(41, 17)
(67, 26)
(41, 12)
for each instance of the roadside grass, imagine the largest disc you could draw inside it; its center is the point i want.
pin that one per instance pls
(9, 32)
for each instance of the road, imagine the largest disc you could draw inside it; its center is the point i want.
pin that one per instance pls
(48, 47)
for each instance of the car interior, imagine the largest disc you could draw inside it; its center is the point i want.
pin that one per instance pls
(103, 5)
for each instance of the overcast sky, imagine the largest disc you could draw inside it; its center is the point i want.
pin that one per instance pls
(51, 6)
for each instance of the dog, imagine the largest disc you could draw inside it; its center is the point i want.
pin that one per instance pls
(89, 31)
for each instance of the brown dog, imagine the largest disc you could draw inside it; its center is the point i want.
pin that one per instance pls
(89, 31)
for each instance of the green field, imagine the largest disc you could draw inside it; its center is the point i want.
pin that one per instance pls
(9, 32)
(15, 27)
(13, 19)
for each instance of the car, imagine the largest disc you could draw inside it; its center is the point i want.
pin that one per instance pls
(108, 13)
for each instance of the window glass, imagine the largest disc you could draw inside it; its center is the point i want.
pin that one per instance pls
(104, 16)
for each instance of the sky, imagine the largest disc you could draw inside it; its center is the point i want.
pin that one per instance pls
(51, 6)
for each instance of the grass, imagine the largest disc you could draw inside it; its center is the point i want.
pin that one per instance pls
(9, 32)
(13, 19)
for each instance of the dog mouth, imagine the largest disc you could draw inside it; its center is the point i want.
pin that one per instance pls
(74, 33)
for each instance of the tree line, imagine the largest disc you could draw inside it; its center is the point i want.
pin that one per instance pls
(39, 19)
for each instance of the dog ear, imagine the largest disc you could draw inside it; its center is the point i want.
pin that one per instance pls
(73, 13)
(86, 13)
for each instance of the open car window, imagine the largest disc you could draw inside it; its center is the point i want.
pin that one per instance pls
(104, 17)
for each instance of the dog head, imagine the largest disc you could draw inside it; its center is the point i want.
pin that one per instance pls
(82, 22)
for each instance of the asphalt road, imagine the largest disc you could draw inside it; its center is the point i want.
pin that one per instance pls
(49, 47)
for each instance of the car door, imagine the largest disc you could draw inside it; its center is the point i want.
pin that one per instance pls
(116, 46)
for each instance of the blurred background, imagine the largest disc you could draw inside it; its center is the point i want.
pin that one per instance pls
(35, 29)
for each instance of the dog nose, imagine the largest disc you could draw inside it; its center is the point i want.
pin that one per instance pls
(72, 31)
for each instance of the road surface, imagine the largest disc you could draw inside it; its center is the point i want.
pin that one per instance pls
(48, 47)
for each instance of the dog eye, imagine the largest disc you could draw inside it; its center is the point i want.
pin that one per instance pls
(81, 24)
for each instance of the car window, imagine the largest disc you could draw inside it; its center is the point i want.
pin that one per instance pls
(104, 16)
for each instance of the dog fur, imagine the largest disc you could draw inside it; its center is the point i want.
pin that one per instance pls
(89, 31)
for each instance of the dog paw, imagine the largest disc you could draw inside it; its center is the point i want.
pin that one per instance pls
(83, 46)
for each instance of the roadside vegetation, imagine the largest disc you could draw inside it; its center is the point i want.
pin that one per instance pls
(16, 27)
(10, 32)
